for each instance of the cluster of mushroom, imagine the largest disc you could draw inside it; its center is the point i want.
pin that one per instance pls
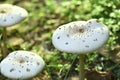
(75, 37)
(18, 64)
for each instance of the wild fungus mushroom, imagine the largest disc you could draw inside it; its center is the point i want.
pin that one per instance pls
(80, 37)
(10, 15)
(21, 65)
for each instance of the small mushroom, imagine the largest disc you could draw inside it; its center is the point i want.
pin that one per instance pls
(21, 65)
(10, 15)
(80, 37)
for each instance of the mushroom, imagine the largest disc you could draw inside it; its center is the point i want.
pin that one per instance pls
(80, 37)
(21, 65)
(10, 15)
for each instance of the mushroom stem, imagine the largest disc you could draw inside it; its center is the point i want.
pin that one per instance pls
(0, 41)
(81, 66)
(4, 47)
(0, 44)
(20, 79)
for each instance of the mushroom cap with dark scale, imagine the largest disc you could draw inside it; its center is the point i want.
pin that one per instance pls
(21, 65)
(11, 14)
(80, 36)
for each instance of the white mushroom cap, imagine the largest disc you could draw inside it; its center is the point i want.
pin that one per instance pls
(80, 36)
(21, 65)
(11, 14)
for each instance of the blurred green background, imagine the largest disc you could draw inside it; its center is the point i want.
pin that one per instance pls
(34, 34)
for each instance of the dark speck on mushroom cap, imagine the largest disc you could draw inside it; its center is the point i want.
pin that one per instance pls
(5, 9)
(80, 36)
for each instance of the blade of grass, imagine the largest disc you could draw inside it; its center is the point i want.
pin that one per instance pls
(67, 73)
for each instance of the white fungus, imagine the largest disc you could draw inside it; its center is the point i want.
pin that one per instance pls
(80, 36)
(11, 14)
(21, 65)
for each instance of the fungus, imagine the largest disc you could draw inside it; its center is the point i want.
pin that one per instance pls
(84, 37)
(21, 65)
(10, 15)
